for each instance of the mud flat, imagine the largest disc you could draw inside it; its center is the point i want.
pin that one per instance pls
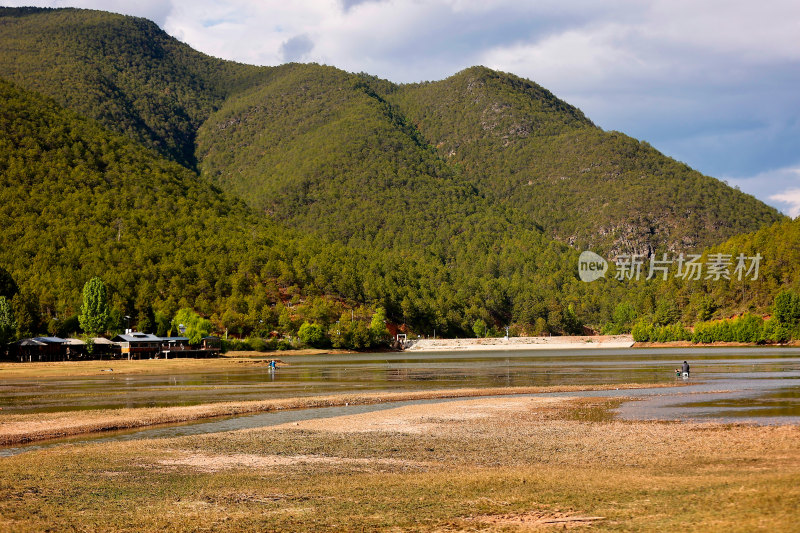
(23, 428)
(522, 343)
(478, 464)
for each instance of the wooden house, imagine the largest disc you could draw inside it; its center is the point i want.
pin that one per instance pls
(39, 349)
(135, 345)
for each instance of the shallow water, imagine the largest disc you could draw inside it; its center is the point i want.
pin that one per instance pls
(330, 374)
(754, 385)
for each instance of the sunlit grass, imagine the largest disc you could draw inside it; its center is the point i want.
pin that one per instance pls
(510, 471)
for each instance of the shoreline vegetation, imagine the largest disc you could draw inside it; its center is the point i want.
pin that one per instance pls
(26, 428)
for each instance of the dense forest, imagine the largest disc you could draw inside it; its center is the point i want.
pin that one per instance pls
(79, 201)
(275, 199)
(523, 147)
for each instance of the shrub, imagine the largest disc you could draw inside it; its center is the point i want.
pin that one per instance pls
(774, 331)
(257, 344)
(787, 308)
(642, 331)
(748, 328)
(311, 334)
(479, 328)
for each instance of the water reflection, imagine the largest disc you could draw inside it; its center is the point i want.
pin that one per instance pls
(751, 373)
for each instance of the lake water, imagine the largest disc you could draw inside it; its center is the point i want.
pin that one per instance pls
(760, 385)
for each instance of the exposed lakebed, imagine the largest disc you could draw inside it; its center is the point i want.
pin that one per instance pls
(760, 385)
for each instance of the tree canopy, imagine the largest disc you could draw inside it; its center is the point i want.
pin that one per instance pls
(193, 325)
(267, 197)
(95, 315)
(8, 326)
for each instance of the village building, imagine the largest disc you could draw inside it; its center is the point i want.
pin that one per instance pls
(135, 345)
(39, 349)
(129, 345)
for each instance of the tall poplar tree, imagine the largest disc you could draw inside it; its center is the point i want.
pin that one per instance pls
(8, 325)
(95, 314)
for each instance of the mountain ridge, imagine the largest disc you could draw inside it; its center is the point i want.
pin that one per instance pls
(575, 166)
(443, 202)
(124, 71)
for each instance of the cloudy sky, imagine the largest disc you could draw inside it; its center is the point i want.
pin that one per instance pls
(713, 83)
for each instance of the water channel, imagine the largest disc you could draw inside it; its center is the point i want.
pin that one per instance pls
(754, 385)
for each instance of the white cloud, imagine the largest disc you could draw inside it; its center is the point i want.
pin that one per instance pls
(791, 197)
(778, 187)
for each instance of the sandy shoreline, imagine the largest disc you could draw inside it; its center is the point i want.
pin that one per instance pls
(24, 428)
(522, 343)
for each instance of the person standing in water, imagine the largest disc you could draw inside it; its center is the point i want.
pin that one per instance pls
(686, 368)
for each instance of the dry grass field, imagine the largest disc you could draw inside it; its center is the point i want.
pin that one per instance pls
(500, 464)
(66, 369)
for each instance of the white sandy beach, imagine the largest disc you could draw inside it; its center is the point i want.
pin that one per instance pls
(522, 343)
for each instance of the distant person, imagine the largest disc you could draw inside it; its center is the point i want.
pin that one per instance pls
(686, 369)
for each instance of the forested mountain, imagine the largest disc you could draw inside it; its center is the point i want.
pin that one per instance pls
(316, 148)
(123, 71)
(523, 147)
(779, 245)
(78, 201)
(184, 180)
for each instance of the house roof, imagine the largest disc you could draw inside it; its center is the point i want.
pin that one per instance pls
(30, 342)
(81, 342)
(40, 341)
(136, 337)
(50, 340)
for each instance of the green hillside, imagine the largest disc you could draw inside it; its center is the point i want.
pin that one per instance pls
(523, 147)
(123, 71)
(315, 148)
(78, 201)
(242, 191)
(779, 245)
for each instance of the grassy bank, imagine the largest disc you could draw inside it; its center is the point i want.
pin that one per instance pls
(509, 464)
(716, 344)
(66, 369)
(21, 428)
